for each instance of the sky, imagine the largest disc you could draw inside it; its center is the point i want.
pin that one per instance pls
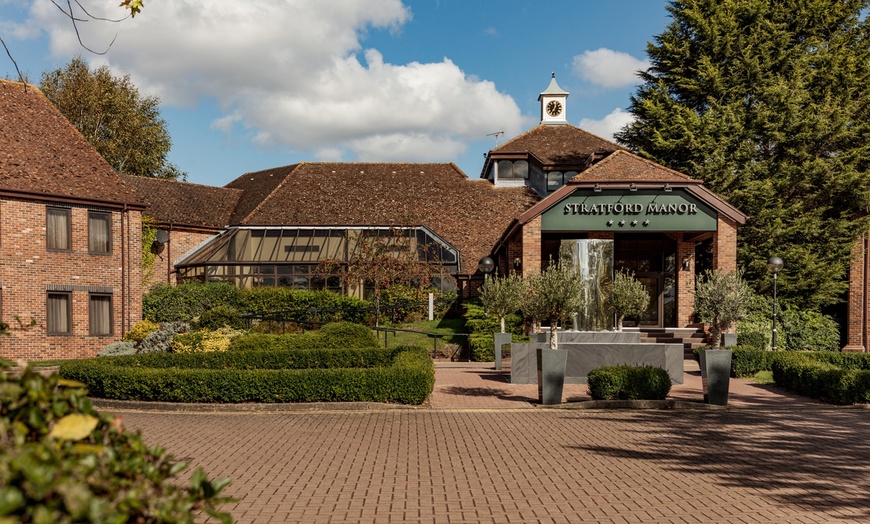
(246, 85)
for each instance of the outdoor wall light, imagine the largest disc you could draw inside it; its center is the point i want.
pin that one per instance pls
(597, 188)
(668, 188)
(632, 187)
(687, 263)
(774, 265)
(518, 263)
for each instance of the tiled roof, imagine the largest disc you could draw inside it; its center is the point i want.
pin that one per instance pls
(171, 202)
(41, 153)
(558, 144)
(622, 166)
(469, 214)
(257, 186)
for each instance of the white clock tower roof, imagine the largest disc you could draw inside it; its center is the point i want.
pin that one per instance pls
(553, 89)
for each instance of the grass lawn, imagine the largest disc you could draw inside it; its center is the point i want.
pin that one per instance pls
(446, 327)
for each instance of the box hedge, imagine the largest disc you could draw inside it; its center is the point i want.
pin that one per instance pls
(402, 375)
(629, 383)
(806, 374)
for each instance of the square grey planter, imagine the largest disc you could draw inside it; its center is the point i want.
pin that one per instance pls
(500, 339)
(716, 375)
(551, 375)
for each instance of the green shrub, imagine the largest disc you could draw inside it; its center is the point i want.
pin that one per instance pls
(304, 306)
(347, 335)
(160, 341)
(404, 375)
(481, 327)
(336, 335)
(746, 361)
(806, 330)
(629, 383)
(218, 317)
(204, 340)
(186, 301)
(118, 348)
(141, 330)
(62, 461)
(803, 374)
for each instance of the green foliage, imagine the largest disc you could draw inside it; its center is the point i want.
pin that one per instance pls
(118, 348)
(63, 461)
(807, 330)
(141, 330)
(767, 103)
(629, 383)
(503, 295)
(186, 301)
(338, 335)
(628, 296)
(481, 328)
(204, 340)
(160, 341)
(411, 303)
(149, 235)
(555, 294)
(124, 127)
(219, 317)
(304, 306)
(404, 375)
(803, 373)
(720, 299)
(746, 361)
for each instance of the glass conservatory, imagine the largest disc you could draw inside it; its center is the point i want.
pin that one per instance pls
(310, 258)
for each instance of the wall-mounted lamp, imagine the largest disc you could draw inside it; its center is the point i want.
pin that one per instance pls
(597, 188)
(687, 263)
(632, 187)
(668, 188)
(518, 263)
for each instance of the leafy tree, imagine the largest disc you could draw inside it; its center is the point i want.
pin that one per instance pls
(503, 295)
(768, 104)
(628, 296)
(555, 294)
(124, 127)
(721, 299)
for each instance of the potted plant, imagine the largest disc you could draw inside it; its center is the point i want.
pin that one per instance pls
(721, 298)
(555, 294)
(502, 296)
(628, 297)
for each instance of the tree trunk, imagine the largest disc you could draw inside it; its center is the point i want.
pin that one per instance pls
(619, 319)
(501, 320)
(554, 342)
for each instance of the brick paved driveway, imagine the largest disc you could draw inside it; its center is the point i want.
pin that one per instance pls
(806, 464)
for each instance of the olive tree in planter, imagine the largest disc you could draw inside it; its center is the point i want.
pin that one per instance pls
(721, 298)
(555, 294)
(502, 296)
(628, 297)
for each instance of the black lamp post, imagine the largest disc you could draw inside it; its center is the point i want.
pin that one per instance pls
(486, 265)
(774, 264)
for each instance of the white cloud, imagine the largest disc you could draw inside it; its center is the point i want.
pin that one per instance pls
(296, 73)
(608, 68)
(607, 126)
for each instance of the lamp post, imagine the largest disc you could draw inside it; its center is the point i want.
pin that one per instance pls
(486, 265)
(774, 264)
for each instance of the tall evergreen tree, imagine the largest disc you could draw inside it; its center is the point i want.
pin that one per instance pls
(768, 102)
(123, 126)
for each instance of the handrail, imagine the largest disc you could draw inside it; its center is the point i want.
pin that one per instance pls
(434, 337)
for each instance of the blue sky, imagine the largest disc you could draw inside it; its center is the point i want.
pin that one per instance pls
(253, 84)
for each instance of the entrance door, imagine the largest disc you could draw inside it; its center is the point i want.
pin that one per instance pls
(651, 258)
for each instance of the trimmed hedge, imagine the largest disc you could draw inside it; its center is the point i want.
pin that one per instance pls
(339, 335)
(629, 383)
(403, 375)
(803, 373)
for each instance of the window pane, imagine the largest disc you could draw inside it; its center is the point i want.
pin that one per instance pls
(58, 321)
(57, 229)
(99, 233)
(100, 312)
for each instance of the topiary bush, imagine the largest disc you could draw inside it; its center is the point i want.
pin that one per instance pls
(404, 375)
(219, 317)
(746, 361)
(63, 461)
(339, 335)
(345, 335)
(629, 383)
(804, 374)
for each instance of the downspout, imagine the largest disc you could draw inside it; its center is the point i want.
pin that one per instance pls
(124, 270)
(169, 257)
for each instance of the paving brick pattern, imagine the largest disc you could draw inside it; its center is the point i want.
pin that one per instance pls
(505, 460)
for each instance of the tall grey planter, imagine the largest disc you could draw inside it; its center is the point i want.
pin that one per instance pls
(716, 375)
(551, 375)
(500, 339)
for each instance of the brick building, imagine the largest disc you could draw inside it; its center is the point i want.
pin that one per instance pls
(70, 236)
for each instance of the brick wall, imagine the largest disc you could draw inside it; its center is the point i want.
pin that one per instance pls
(531, 241)
(725, 245)
(180, 242)
(856, 322)
(685, 282)
(28, 270)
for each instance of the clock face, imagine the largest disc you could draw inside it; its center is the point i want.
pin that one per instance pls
(554, 108)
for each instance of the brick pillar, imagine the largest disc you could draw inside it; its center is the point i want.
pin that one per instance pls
(685, 282)
(856, 318)
(725, 245)
(532, 247)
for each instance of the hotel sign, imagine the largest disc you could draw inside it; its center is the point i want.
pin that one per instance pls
(629, 211)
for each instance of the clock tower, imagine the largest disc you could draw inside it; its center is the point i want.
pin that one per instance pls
(553, 103)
